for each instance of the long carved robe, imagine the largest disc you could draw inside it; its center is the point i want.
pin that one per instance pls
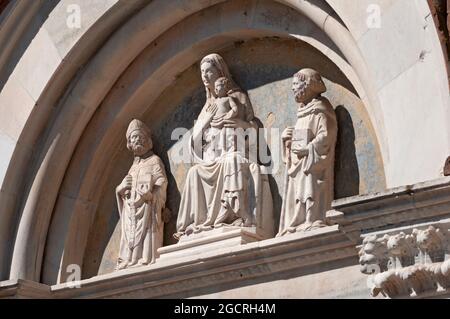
(141, 221)
(224, 178)
(310, 179)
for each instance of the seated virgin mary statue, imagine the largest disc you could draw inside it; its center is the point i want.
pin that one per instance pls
(225, 187)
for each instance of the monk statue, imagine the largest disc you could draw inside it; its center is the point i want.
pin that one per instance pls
(141, 199)
(308, 152)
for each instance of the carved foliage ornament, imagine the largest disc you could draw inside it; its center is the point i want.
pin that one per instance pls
(402, 265)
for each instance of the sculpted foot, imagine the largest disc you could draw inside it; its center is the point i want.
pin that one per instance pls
(290, 230)
(304, 227)
(238, 222)
(308, 226)
(143, 262)
(189, 230)
(178, 235)
(122, 265)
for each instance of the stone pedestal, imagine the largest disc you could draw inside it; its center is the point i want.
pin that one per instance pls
(208, 241)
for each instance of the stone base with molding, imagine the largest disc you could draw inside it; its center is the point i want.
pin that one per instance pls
(212, 240)
(318, 264)
(240, 265)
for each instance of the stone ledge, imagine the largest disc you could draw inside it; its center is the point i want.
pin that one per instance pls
(398, 206)
(210, 240)
(24, 289)
(259, 259)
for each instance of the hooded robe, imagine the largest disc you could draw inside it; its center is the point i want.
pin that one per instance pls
(310, 179)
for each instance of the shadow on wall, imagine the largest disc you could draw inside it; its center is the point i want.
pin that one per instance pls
(274, 188)
(3, 4)
(346, 178)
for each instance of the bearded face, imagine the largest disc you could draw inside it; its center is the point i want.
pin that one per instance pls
(139, 143)
(300, 89)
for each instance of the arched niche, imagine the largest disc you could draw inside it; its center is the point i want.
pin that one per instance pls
(81, 153)
(100, 159)
(267, 79)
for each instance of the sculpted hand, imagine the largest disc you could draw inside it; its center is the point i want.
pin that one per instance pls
(301, 152)
(125, 185)
(145, 192)
(236, 123)
(287, 134)
(229, 115)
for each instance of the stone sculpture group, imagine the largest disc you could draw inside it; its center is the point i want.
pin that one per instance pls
(226, 189)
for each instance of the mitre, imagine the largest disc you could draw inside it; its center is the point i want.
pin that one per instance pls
(137, 125)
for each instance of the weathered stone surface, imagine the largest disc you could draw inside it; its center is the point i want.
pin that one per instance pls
(308, 152)
(141, 199)
(402, 265)
(358, 164)
(66, 96)
(407, 204)
(249, 264)
(404, 234)
(20, 289)
(210, 240)
(225, 186)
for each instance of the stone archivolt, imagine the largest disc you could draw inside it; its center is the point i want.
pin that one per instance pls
(142, 57)
(407, 264)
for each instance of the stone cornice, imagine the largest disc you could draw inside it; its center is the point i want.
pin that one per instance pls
(24, 289)
(231, 265)
(399, 206)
